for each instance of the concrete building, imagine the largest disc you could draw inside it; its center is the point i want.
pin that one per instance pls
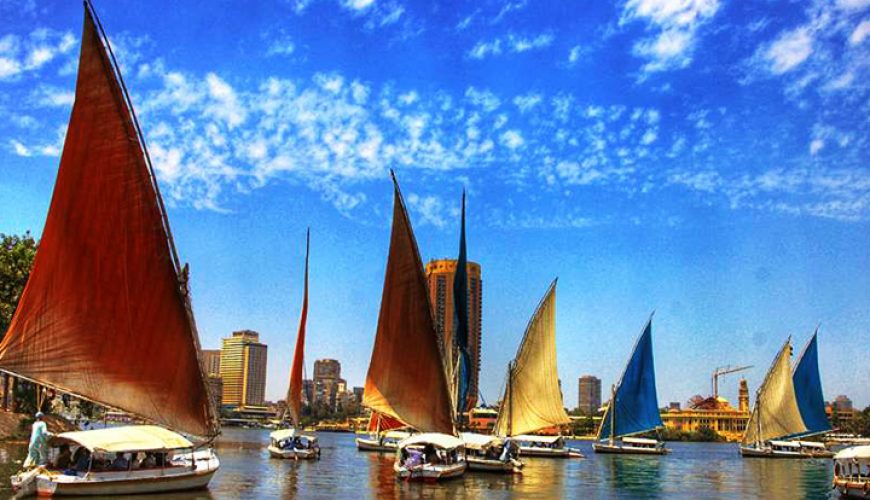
(243, 370)
(589, 394)
(328, 384)
(211, 362)
(358, 394)
(440, 275)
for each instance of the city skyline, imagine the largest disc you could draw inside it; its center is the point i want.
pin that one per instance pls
(708, 163)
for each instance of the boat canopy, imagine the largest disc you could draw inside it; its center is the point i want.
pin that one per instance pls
(125, 439)
(857, 453)
(406, 379)
(811, 444)
(105, 315)
(440, 440)
(634, 440)
(808, 389)
(532, 397)
(399, 435)
(479, 441)
(776, 414)
(537, 439)
(281, 434)
(636, 406)
(785, 444)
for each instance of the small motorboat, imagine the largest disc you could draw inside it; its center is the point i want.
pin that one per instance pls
(544, 446)
(159, 461)
(430, 457)
(382, 442)
(632, 445)
(487, 453)
(852, 472)
(289, 443)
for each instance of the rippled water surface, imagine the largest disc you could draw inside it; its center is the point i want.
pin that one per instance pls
(692, 470)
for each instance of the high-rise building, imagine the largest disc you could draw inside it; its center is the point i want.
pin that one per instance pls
(243, 369)
(211, 362)
(589, 394)
(327, 368)
(440, 275)
(843, 402)
(358, 394)
(328, 382)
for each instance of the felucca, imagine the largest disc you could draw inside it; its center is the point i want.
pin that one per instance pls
(633, 407)
(106, 314)
(407, 378)
(776, 416)
(532, 400)
(292, 442)
(384, 434)
(810, 399)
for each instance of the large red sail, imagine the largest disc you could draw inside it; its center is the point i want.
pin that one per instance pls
(103, 315)
(406, 378)
(294, 393)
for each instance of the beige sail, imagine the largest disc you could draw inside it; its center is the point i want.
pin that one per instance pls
(776, 413)
(532, 399)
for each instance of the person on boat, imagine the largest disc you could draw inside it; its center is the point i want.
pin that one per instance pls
(413, 458)
(120, 463)
(64, 458)
(37, 451)
(507, 452)
(81, 459)
(148, 462)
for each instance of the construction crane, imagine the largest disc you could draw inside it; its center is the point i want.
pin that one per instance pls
(722, 370)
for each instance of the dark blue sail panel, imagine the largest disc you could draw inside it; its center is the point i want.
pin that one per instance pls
(460, 319)
(637, 406)
(808, 390)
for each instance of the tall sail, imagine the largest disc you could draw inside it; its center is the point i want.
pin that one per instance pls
(776, 413)
(104, 315)
(294, 392)
(636, 407)
(808, 389)
(406, 378)
(460, 322)
(532, 398)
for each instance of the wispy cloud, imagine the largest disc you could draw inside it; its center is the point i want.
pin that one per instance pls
(512, 43)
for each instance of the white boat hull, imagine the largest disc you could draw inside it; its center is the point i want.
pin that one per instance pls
(533, 451)
(133, 482)
(491, 465)
(628, 449)
(363, 444)
(430, 472)
(295, 454)
(752, 452)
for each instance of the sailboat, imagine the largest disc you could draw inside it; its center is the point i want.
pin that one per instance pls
(811, 401)
(292, 442)
(633, 407)
(776, 416)
(407, 378)
(532, 399)
(106, 313)
(384, 434)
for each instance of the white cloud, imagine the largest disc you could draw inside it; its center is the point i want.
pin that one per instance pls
(677, 24)
(853, 4)
(526, 102)
(357, 4)
(512, 139)
(816, 145)
(281, 47)
(225, 105)
(861, 32)
(523, 44)
(512, 43)
(430, 208)
(789, 50)
(19, 149)
(9, 68)
(574, 54)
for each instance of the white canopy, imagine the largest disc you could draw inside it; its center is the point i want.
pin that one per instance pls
(537, 439)
(440, 440)
(786, 444)
(479, 441)
(282, 434)
(854, 453)
(397, 435)
(811, 444)
(639, 440)
(127, 438)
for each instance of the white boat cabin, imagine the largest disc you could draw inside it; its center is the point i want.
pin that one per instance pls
(290, 439)
(546, 442)
(430, 448)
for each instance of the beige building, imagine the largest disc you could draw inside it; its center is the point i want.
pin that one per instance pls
(440, 275)
(243, 370)
(589, 394)
(211, 362)
(713, 413)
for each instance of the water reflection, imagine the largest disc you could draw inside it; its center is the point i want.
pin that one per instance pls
(713, 470)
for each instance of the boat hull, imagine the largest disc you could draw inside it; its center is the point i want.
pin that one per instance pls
(363, 444)
(430, 472)
(295, 454)
(852, 489)
(750, 452)
(532, 451)
(628, 450)
(488, 465)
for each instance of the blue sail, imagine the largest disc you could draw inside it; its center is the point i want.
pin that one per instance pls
(460, 320)
(808, 389)
(636, 408)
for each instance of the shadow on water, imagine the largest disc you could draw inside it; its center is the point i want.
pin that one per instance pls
(711, 470)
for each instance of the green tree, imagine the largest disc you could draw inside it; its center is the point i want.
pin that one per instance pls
(16, 259)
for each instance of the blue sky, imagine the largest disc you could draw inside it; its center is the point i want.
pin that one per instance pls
(704, 158)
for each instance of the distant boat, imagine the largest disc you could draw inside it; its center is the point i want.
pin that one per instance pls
(633, 407)
(775, 417)
(811, 401)
(407, 378)
(106, 313)
(384, 434)
(293, 442)
(532, 399)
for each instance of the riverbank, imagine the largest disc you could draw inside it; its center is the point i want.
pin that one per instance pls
(15, 427)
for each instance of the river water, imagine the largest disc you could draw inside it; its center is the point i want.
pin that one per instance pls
(710, 470)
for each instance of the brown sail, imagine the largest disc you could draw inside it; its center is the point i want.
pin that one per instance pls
(104, 315)
(406, 378)
(294, 393)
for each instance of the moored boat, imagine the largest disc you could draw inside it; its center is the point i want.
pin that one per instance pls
(106, 315)
(290, 443)
(852, 472)
(810, 400)
(491, 453)
(383, 442)
(543, 446)
(407, 376)
(633, 408)
(775, 416)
